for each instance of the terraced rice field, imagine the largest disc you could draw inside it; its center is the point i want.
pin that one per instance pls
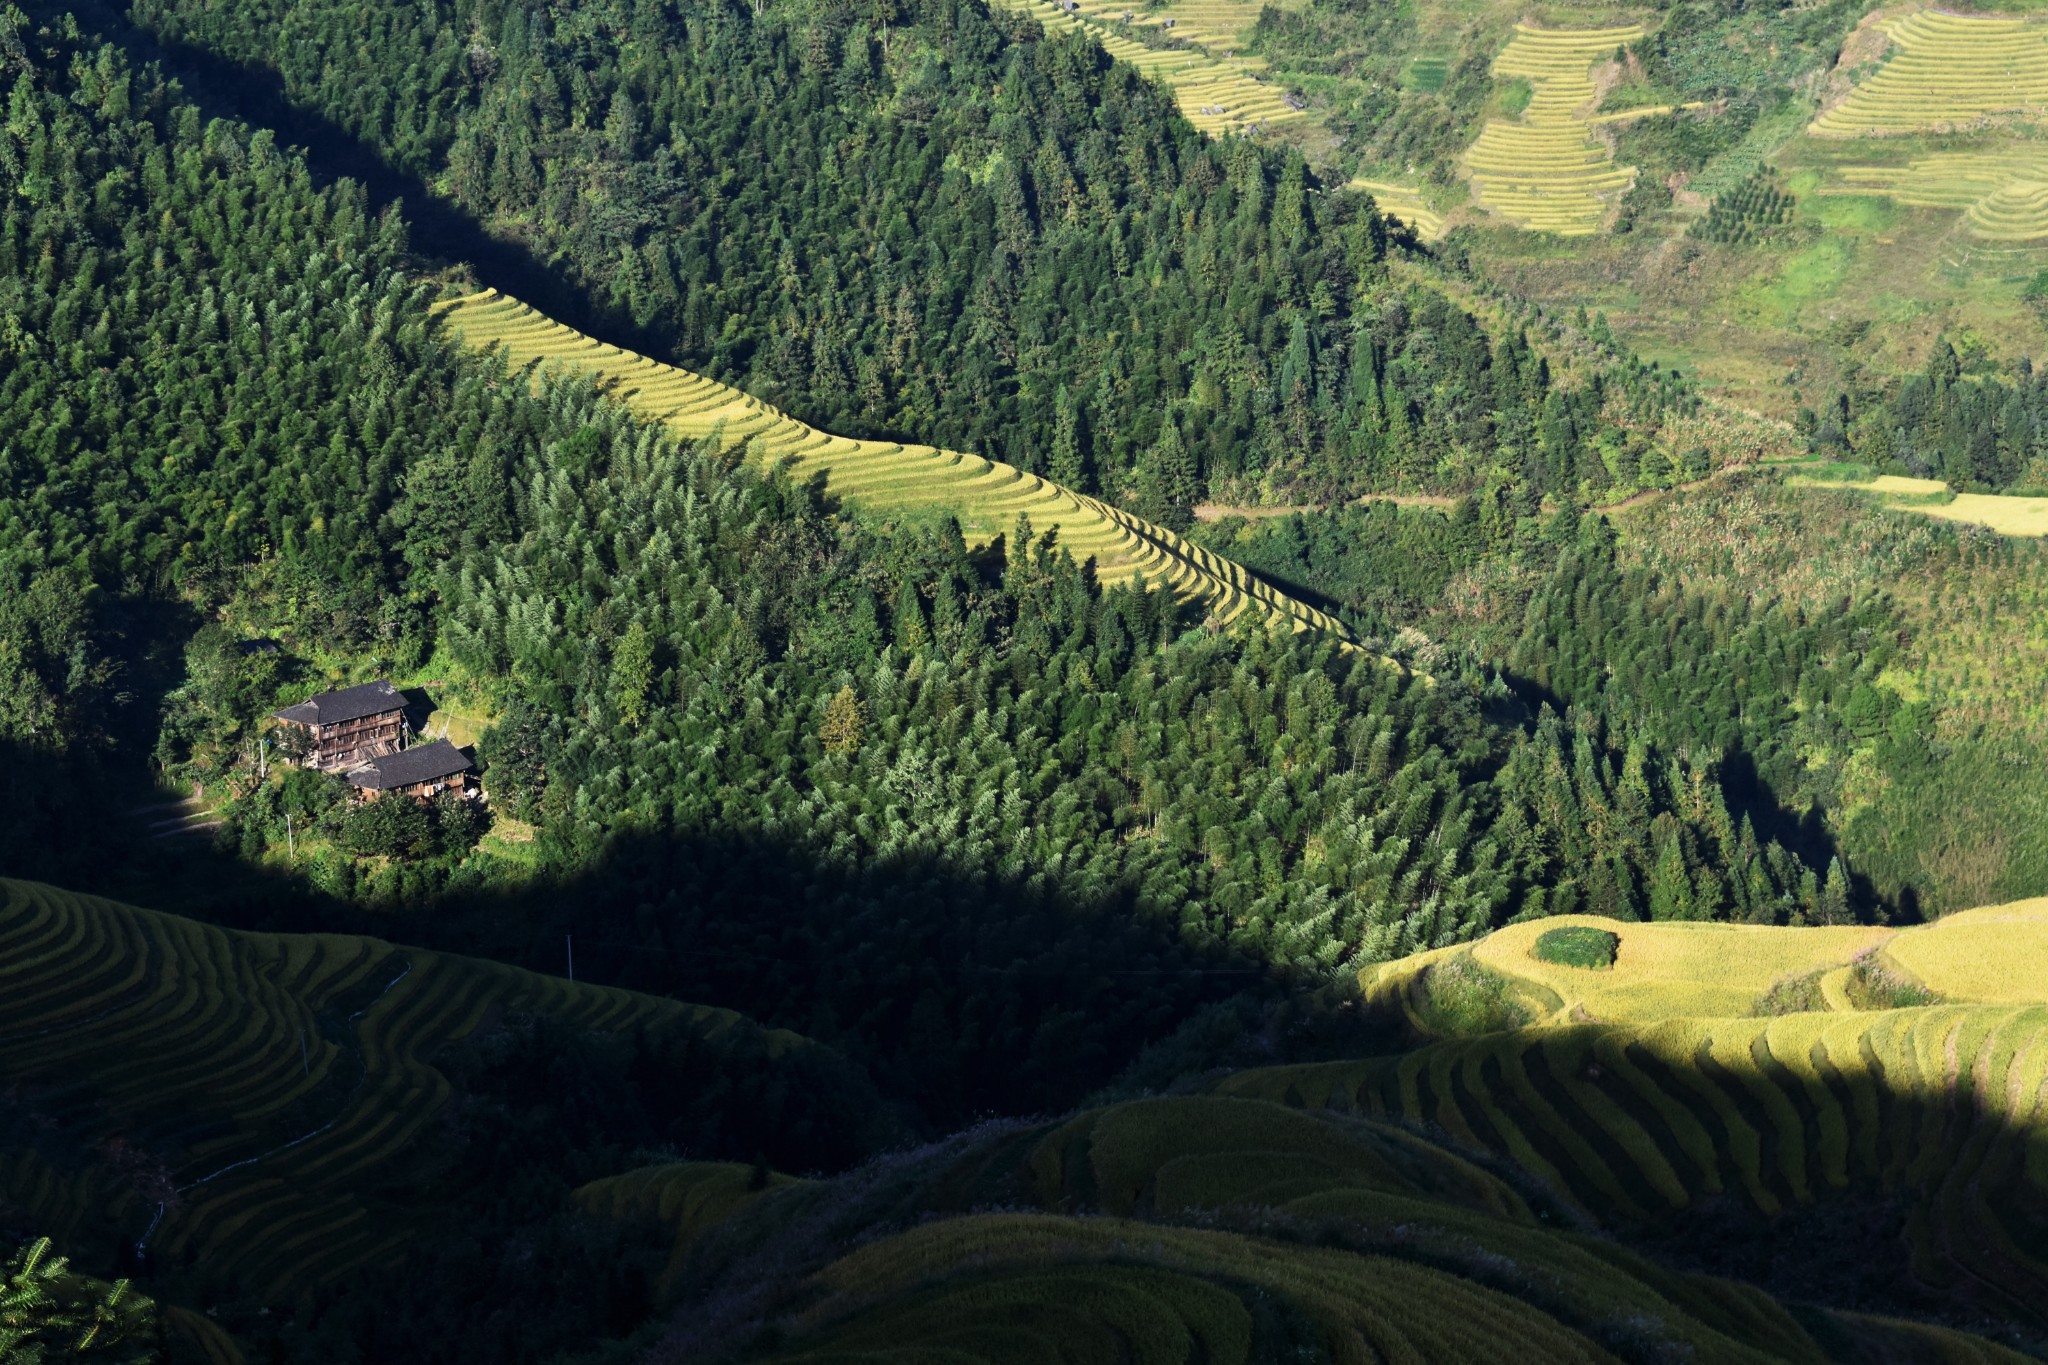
(1940, 1107)
(1217, 94)
(1217, 25)
(1545, 171)
(2003, 192)
(1946, 70)
(1377, 1243)
(2005, 513)
(986, 495)
(688, 1197)
(1405, 203)
(247, 1101)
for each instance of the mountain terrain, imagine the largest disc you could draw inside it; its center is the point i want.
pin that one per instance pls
(1178, 682)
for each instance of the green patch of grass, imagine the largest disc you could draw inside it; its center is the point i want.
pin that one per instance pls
(1577, 945)
(1831, 471)
(1851, 212)
(1806, 276)
(1463, 998)
(1514, 96)
(1803, 183)
(1426, 73)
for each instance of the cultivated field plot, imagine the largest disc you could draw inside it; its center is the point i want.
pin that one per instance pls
(688, 1197)
(1218, 95)
(253, 1102)
(1546, 172)
(2004, 513)
(986, 496)
(1946, 70)
(1218, 25)
(1406, 203)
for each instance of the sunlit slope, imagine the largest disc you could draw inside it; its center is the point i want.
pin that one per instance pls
(987, 496)
(1223, 1231)
(1946, 69)
(259, 1104)
(1545, 171)
(1662, 972)
(1679, 1075)
(1217, 94)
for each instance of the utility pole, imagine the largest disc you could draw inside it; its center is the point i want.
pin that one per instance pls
(569, 942)
(291, 851)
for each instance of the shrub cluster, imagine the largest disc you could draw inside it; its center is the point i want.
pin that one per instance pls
(1748, 213)
(1577, 945)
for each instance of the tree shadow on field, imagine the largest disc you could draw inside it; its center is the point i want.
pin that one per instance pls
(963, 994)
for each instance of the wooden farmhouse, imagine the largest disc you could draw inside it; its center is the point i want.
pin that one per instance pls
(423, 771)
(350, 727)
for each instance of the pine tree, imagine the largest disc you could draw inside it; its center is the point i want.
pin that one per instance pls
(34, 1318)
(1671, 889)
(633, 674)
(913, 635)
(1834, 896)
(845, 722)
(1069, 465)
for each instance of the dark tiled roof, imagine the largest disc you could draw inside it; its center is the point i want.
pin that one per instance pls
(350, 703)
(421, 763)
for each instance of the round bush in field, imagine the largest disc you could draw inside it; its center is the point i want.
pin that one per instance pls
(1577, 945)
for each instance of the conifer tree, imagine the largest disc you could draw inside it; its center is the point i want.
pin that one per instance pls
(845, 721)
(1068, 465)
(633, 674)
(912, 634)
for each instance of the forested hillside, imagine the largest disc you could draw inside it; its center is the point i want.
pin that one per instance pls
(932, 222)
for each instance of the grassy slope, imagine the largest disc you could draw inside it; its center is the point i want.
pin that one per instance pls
(263, 1103)
(1881, 257)
(986, 495)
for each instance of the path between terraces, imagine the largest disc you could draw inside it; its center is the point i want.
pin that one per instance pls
(1216, 511)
